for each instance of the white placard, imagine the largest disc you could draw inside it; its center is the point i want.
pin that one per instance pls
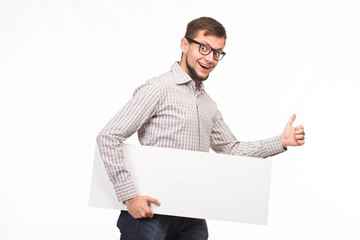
(191, 184)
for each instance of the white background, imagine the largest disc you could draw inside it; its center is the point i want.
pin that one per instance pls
(66, 67)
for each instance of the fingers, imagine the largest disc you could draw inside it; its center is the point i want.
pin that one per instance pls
(300, 135)
(149, 214)
(301, 142)
(144, 213)
(153, 200)
(292, 119)
(139, 207)
(299, 132)
(299, 127)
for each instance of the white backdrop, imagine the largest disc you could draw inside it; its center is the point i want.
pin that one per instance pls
(66, 67)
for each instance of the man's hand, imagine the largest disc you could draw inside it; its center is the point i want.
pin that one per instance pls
(293, 136)
(139, 207)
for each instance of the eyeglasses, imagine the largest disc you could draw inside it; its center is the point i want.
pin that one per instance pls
(205, 49)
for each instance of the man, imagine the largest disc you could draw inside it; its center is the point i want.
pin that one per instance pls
(174, 111)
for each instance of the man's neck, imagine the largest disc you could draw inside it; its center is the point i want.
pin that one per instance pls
(197, 83)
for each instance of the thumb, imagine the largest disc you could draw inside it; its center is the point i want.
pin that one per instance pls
(291, 121)
(153, 200)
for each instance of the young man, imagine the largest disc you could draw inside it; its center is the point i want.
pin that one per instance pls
(174, 111)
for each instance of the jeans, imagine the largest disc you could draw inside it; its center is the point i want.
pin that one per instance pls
(161, 227)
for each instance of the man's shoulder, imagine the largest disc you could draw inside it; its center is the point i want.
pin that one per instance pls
(157, 83)
(164, 78)
(176, 75)
(161, 82)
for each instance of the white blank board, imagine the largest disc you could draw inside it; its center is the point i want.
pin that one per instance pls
(191, 184)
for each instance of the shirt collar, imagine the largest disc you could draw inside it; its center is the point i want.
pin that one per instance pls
(181, 77)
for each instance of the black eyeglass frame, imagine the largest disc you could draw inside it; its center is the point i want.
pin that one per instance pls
(222, 54)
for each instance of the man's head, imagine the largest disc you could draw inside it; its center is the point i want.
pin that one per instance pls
(202, 47)
(210, 25)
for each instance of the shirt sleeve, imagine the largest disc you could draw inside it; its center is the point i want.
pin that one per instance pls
(141, 107)
(223, 141)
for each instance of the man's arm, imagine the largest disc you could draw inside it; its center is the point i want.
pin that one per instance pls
(131, 117)
(223, 141)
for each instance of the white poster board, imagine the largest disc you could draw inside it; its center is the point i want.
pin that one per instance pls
(191, 184)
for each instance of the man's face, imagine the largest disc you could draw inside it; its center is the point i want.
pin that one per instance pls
(199, 66)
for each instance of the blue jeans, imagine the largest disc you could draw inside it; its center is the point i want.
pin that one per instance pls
(161, 227)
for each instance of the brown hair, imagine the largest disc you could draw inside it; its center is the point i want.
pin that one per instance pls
(210, 25)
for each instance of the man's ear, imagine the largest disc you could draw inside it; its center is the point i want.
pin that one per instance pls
(184, 45)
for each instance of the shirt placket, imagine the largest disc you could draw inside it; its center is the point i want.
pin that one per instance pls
(198, 92)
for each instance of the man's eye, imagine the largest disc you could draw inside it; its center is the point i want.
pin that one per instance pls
(204, 48)
(217, 53)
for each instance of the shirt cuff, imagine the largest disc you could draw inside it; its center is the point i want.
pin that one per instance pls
(274, 146)
(126, 190)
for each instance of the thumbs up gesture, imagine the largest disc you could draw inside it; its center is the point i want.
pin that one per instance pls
(293, 136)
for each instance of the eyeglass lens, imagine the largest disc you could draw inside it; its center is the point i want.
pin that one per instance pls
(206, 49)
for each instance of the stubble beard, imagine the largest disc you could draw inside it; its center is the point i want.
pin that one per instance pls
(193, 73)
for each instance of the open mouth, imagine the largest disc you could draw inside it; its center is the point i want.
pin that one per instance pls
(204, 66)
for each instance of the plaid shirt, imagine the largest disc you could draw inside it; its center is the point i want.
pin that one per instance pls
(169, 111)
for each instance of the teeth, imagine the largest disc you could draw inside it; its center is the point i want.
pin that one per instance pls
(204, 66)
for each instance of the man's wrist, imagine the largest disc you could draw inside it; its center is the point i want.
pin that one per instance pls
(283, 142)
(127, 200)
(125, 190)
